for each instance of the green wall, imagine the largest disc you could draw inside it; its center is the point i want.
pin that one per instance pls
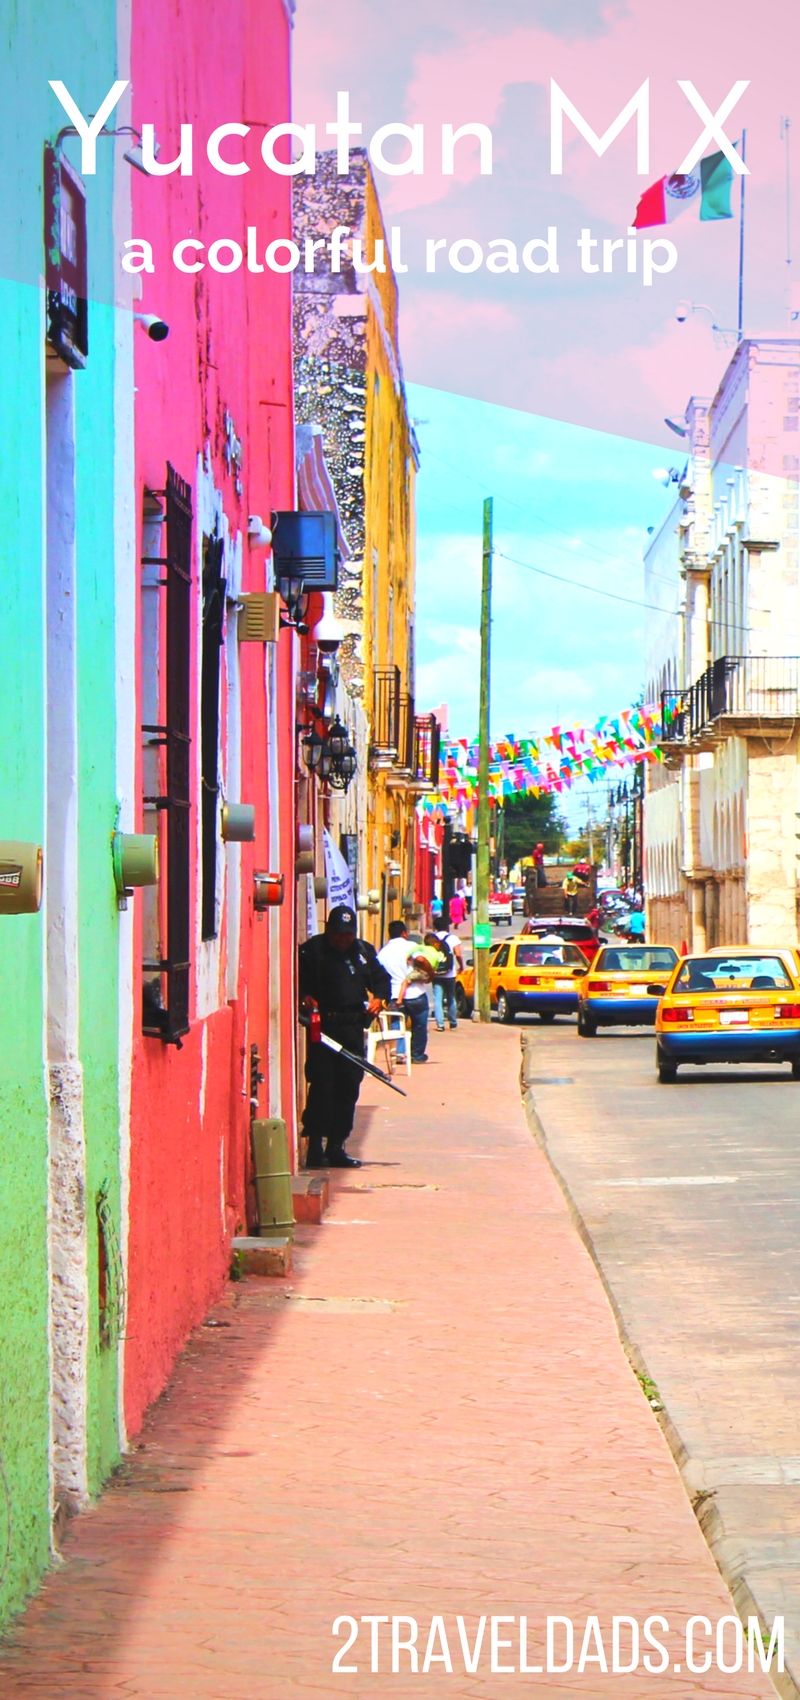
(77, 43)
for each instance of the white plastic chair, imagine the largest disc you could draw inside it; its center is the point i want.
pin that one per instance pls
(389, 1042)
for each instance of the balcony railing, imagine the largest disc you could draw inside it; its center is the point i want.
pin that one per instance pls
(405, 742)
(746, 687)
(425, 765)
(386, 714)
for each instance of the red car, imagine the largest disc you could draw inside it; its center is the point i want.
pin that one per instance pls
(572, 931)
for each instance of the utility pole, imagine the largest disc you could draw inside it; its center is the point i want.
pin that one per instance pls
(482, 933)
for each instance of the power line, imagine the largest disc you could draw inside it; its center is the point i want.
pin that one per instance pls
(609, 555)
(675, 613)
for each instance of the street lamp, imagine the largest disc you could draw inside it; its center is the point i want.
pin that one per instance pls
(724, 337)
(337, 739)
(312, 746)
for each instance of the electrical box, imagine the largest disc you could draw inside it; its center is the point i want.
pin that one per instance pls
(305, 547)
(20, 877)
(259, 616)
(273, 1179)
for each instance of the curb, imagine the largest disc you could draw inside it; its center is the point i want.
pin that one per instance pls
(705, 1510)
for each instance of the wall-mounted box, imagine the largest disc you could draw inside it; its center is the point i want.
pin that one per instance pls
(304, 859)
(20, 877)
(259, 616)
(135, 860)
(305, 548)
(238, 823)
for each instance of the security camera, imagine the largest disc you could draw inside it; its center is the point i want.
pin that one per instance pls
(156, 328)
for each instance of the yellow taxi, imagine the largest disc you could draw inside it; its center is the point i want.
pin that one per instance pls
(536, 975)
(732, 1004)
(620, 988)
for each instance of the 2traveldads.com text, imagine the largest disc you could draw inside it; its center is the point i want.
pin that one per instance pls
(508, 1645)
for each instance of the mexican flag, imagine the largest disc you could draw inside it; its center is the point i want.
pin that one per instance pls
(706, 190)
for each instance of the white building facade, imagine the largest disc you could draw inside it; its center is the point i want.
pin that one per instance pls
(721, 582)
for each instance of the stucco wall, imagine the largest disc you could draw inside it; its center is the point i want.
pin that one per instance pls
(349, 380)
(772, 845)
(225, 373)
(77, 43)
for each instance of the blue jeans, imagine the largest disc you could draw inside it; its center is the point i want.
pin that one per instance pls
(444, 1001)
(417, 1011)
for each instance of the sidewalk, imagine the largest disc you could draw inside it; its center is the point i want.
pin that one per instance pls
(433, 1416)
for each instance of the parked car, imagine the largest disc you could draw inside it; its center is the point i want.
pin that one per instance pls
(531, 974)
(620, 990)
(730, 1006)
(518, 899)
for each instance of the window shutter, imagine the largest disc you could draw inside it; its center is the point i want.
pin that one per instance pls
(178, 725)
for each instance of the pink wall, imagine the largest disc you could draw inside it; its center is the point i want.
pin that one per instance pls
(228, 351)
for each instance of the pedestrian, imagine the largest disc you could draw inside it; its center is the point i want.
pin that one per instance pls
(444, 983)
(458, 909)
(636, 926)
(410, 968)
(593, 918)
(570, 885)
(342, 975)
(436, 910)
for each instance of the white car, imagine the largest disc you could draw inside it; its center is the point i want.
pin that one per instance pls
(500, 906)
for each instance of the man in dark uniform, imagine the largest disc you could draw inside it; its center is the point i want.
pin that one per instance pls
(342, 975)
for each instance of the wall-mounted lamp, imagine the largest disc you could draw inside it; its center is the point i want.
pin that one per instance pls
(343, 771)
(337, 740)
(20, 877)
(311, 747)
(295, 599)
(133, 154)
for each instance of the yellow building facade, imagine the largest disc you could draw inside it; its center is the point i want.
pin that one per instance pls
(349, 388)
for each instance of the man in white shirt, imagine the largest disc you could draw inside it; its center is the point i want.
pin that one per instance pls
(444, 985)
(397, 957)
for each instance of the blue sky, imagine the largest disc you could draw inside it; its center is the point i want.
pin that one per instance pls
(571, 501)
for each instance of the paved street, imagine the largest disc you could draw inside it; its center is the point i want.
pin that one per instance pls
(690, 1195)
(433, 1415)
